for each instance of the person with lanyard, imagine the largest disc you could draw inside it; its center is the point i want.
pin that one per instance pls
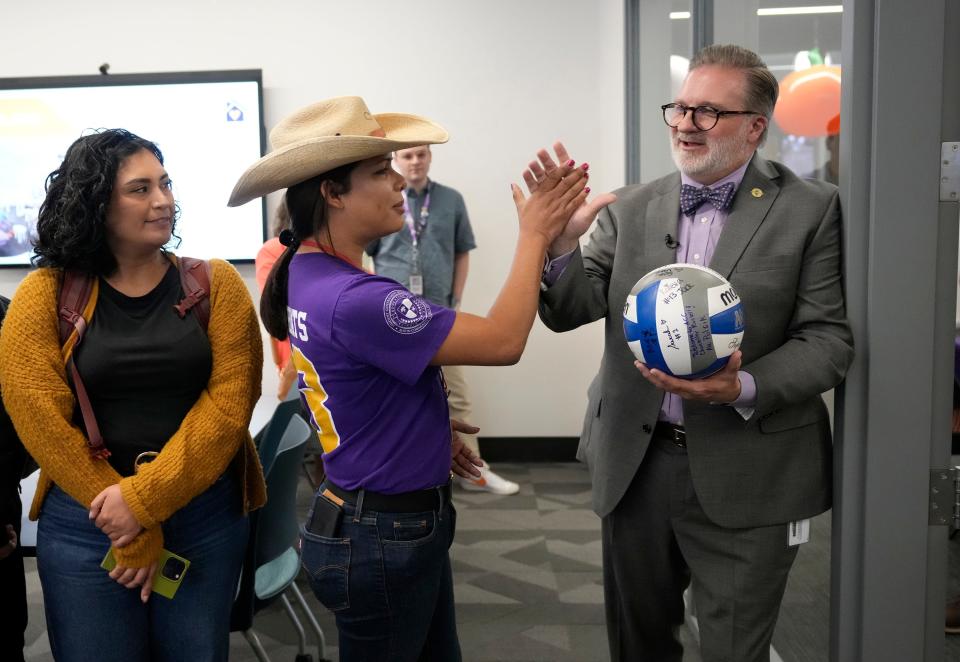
(431, 255)
(368, 353)
(708, 481)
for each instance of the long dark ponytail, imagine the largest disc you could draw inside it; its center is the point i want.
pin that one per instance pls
(308, 218)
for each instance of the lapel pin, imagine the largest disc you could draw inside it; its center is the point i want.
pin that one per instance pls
(757, 193)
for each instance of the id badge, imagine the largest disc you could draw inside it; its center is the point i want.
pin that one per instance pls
(416, 284)
(798, 532)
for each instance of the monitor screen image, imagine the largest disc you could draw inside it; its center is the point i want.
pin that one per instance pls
(208, 125)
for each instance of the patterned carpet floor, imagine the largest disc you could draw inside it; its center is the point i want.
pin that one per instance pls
(528, 586)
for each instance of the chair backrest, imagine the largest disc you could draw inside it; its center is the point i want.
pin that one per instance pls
(269, 438)
(277, 439)
(278, 525)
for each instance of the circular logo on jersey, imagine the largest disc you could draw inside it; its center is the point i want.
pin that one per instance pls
(406, 313)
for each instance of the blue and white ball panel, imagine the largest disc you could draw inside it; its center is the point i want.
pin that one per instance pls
(726, 319)
(693, 320)
(684, 320)
(660, 339)
(653, 340)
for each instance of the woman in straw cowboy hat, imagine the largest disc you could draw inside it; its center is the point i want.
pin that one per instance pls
(368, 354)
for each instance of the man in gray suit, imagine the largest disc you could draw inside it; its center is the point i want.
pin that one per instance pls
(705, 480)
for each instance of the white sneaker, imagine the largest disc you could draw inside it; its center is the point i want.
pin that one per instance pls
(489, 482)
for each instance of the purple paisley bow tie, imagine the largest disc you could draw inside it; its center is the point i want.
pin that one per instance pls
(692, 197)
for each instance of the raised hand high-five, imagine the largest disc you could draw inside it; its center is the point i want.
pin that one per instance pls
(535, 177)
(560, 193)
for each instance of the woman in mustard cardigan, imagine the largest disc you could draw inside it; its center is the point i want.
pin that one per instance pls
(173, 404)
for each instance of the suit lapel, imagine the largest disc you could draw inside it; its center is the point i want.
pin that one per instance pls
(753, 200)
(662, 213)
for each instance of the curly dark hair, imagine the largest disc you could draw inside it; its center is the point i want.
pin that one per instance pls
(71, 226)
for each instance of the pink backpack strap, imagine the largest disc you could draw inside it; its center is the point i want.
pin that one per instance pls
(195, 281)
(75, 291)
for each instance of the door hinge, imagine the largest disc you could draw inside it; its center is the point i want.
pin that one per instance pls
(945, 497)
(950, 172)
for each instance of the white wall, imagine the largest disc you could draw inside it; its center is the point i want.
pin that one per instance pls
(504, 77)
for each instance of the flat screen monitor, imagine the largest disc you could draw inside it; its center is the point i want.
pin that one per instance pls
(208, 125)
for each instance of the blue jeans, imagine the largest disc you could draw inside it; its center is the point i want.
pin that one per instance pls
(388, 582)
(92, 617)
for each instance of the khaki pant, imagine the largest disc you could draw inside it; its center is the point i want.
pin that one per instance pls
(459, 402)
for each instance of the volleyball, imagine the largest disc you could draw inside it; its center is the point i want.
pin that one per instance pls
(683, 319)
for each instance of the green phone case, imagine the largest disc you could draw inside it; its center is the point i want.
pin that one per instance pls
(171, 569)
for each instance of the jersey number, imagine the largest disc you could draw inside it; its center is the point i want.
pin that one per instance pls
(316, 398)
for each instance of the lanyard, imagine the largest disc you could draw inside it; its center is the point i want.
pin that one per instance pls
(416, 228)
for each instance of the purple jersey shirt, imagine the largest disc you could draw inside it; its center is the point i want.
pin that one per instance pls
(362, 346)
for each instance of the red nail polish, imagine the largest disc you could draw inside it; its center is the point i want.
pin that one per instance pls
(585, 166)
(571, 162)
(586, 190)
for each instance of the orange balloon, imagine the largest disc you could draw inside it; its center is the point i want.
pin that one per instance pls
(809, 100)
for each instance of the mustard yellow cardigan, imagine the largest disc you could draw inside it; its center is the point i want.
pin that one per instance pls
(213, 434)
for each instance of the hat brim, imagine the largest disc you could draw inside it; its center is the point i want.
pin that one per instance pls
(300, 161)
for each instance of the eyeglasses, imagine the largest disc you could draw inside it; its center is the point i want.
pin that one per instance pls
(704, 117)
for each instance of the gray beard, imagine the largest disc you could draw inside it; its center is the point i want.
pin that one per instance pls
(722, 155)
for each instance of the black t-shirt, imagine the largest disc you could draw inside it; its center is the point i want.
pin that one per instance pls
(143, 368)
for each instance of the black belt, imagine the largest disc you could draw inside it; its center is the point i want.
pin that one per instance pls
(675, 434)
(405, 502)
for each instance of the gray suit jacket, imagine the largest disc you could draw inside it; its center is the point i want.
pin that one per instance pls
(780, 248)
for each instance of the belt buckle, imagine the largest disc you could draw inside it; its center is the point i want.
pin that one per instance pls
(679, 437)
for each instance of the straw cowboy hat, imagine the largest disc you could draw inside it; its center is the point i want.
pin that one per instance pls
(326, 135)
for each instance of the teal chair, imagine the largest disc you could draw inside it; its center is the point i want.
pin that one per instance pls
(273, 556)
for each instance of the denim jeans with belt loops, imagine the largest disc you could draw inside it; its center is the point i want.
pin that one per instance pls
(387, 579)
(90, 617)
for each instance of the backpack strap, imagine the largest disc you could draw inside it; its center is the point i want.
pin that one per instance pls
(75, 292)
(195, 281)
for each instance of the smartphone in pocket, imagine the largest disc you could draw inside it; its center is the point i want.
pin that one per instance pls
(325, 516)
(171, 569)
